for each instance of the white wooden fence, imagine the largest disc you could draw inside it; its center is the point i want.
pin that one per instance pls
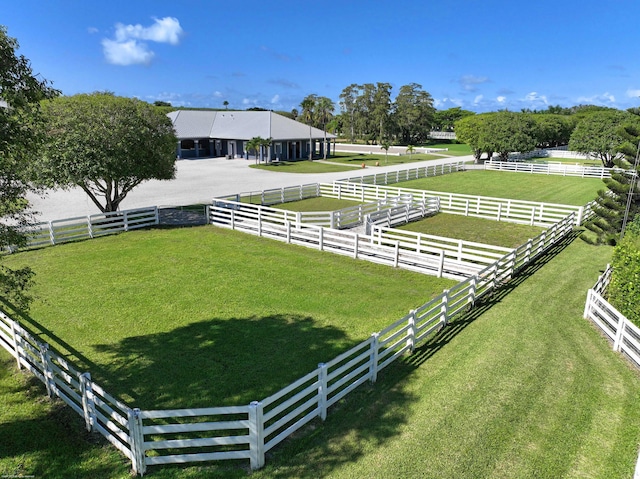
(102, 412)
(562, 169)
(498, 209)
(249, 432)
(624, 335)
(92, 226)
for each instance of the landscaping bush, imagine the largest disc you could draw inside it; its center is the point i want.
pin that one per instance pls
(624, 289)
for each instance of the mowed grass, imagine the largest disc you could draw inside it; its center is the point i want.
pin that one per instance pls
(199, 317)
(517, 186)
(521, 387)
(319, 203)
(303, 166)
(478, 230)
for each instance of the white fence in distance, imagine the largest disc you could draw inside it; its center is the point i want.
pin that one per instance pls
(498, 209)
(624, 335)
(85, 227)
(562, 169)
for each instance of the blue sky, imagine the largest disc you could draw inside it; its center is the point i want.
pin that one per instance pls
(480, 55)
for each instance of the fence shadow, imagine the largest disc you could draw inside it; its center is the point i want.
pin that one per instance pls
(458, 324)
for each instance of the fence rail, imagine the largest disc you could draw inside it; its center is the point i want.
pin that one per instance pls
(562, 169)
(84, 227)
(499, 209)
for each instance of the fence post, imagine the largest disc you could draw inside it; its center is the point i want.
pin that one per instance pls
(14, 340)
(233, 219)
(397, 255)
(321, 238)
(126, 220)
(322, 390)
(89, 228)
(207, 214)
(46, 369)
(527, 253)
(444, 308)
(52, 235)
(88, 404)
(440, 264)
(256, 435)
(617, 344)
(472, 290)
(356, 245)
(259, 220)
(288, 223)
(156, 216)
(466, 207)
(373, 368)
(136, 441)
(499, 211)
(411, 331)
(533, 216)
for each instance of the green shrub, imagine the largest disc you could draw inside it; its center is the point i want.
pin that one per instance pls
(624, 289)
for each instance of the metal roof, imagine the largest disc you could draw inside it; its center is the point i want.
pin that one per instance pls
(240, 125)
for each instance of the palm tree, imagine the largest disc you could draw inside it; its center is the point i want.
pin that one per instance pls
(410, 150)
(308, 108)
(255, 144)
(266, 143)
(385, 146)
(226, 104)
(324, 110)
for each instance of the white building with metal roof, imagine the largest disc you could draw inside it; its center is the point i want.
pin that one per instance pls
(206, 134)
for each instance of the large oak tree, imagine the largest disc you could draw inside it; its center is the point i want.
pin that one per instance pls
(107, 145)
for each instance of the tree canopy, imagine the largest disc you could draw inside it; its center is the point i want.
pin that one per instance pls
(107, 145)
(599, 133)
(21, 138)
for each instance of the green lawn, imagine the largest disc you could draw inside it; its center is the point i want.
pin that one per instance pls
(198, 317)
(379, 159)
(317, 204)
(479, 230)
(302, 166)
(517, 186)
(522, 387)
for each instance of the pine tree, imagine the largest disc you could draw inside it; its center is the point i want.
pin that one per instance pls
(617, 202)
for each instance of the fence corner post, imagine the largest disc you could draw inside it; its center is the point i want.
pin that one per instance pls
(256, 433)
(207, 214)
(136, 441)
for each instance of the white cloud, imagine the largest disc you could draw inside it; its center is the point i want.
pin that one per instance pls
(217, 94)
(275, 99)
(605, 98)
(128, 49)
(501, 99)
(126, 53)
(631, 93)
(534, 97)
(164, 30)
(470, 82)
(478, 99)
(92, 30)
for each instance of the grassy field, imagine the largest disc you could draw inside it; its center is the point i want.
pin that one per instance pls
(199, 317)
(519, 388)
(479, 230)
(303, 166)
(453, 149)
(517, 186)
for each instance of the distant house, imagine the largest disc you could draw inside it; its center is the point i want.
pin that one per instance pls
(206, 134)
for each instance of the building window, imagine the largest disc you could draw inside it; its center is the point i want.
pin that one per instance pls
(187, 145)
